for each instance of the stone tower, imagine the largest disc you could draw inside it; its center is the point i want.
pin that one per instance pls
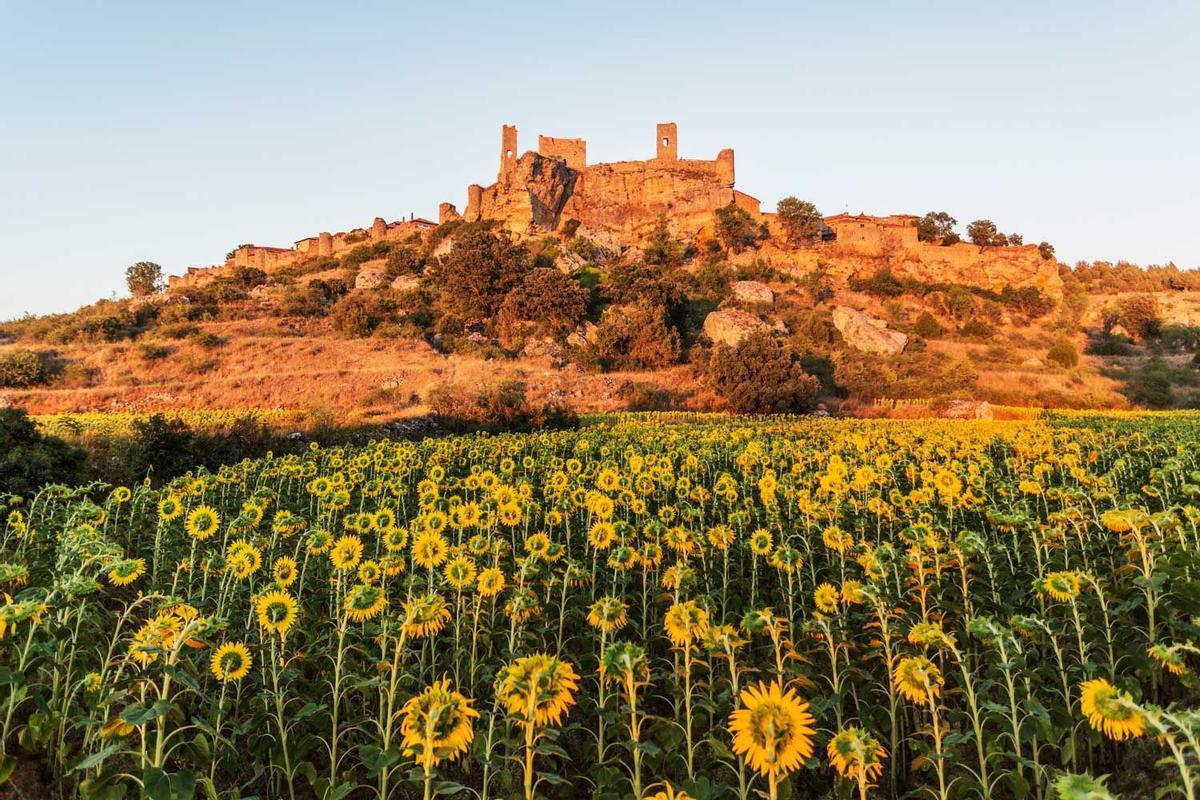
(508, 151)
(668, 147)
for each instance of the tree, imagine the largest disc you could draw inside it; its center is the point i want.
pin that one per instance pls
(662, 249)
(1063, 353)
(927, 326)
(29, 459)
(801, 221)
(1046, 250)
(761, 375)
(644, 284)
(547, 302)
(736, 229)
(1141, 316)
(144, 278)
(1015, 240)
(481, 268)
(982, 232)
(937, 227)
(635, 337)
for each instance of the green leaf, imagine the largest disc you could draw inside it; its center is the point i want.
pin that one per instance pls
(95, 759)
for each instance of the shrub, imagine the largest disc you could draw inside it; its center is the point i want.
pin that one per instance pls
(302, 301)
(1150, 384)
(29, 460)
(664, 250)
(1108, 344)
(882, 283)
(1142, 316)
(480, 270)
(209, 340)
(927, 326)
(1063, 353)
(641, 396)
(635, 337)
(645, 284)
(1027, 300)
(160, 445)
(403, 261)
(358, 314)
(153, 351)
(976, 329)
(1046, 250)
(23, 368)
(547, 302)
(504, 406)
(736, 229)
(761, 375)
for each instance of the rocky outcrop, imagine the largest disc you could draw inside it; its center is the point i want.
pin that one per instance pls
(729, 326)
(406, 283)
(752, 292)
(968, 409)
(530, 199)
(864, 332)
(372, 278)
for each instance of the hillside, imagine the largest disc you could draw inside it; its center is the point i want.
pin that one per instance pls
(628, 285)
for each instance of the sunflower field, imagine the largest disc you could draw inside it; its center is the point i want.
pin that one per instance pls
(646, 607)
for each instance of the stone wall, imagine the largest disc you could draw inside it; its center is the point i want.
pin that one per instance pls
(573, 151)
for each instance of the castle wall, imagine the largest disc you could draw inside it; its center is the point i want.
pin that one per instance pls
(573, 151)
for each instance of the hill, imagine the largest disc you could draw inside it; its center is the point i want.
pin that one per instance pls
(640, 284)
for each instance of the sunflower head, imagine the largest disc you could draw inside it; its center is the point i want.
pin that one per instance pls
(425, 616)
(918, 679)
(231, 662)
(364, 601)
(608, 614)
(685, 622)
(276, 612)
(856, 755)
(1111, 711)
(436, 725)
(625, 661)
(773, 730)
(1061, 586)
(537, 690)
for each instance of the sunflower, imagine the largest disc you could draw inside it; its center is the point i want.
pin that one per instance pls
(276, 612)
(1169, 657)
(346, 553)
(608, 614)
(837, 539)
(364, 601)
(395, 540)
(761, 542)
(1062, 586)
(669, 792)
(602, 535)
(537, 689)
(169, 508)
(127, 571)
(319, 541)
(490, 582)
(230, 662)
(929, 634)
(773, 730)
(202, 522)
(369, 571)
(121, 495)
(1111, 711)
(460, 572)
(284, 571)
(917, 678)
(425, 616)
(685, 623)
(827, 598)
(856, 754)
(436, 725)
(538, 545)
(429, 549)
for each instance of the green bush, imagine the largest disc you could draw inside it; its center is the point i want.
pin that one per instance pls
(358, 314)
(29, 460)
(20, 369)
(1063, 353)
(927, 326)
(763, 374)
(634, 337)
(504, 406)
(547, 302)
(883, 283)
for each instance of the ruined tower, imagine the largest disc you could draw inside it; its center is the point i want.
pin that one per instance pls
(668, 147)
(508, 151)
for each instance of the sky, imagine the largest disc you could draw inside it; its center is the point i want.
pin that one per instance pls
(172, 132)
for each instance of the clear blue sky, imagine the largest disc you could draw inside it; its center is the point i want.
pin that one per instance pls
(173, 131)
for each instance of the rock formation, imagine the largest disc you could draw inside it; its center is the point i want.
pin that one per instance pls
(729, 326)
(866, 333)
(752, 292)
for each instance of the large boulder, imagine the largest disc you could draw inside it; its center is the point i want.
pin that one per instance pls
(372, 278)
(729, 326)
(864, 332)
(406, 283)
(582, 336)
(753, 292)
(968, 409)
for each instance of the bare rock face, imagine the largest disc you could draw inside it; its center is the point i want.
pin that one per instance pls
(729, 326)
(866, 333)
(530, 199)
(753, 292)
(372, 278)
(406, 283)
(584, 335)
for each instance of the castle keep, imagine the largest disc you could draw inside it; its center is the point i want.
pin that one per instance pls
(541, 191)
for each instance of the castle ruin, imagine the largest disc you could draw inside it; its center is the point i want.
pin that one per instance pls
(620, 202)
